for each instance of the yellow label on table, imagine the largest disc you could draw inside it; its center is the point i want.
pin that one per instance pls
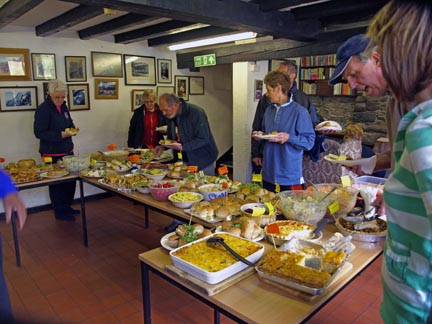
(47, 159)
(333, 207)
(179, 155)
(270, 207)
(277, 187)
(346, 181)
(256, 177)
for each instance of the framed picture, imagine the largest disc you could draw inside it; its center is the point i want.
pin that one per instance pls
(106, 88)
(181, 84)
(137, 98)
(18, 98)
(164, 67)
(106, 65)
(78, 96)
(161, 90)
(75, 67)
(45, 90)
(15, 64)
(196, 85)
(258, 89)
(139, 70)
(44, 66)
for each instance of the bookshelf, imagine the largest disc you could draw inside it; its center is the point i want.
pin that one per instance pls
(314, 74)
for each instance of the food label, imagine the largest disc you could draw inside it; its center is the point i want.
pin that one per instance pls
(346, 181)
(258, 211)
(47, 159)
(257, 177)
(192, 168)
(179, 155)
(270, 207)
(333, 207)
(277, 187)
(223, 170)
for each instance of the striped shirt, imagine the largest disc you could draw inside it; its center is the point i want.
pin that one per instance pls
(407, 266)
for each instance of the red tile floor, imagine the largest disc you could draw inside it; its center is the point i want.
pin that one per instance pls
(61, 281)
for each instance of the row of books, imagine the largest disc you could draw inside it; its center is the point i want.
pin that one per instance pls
(318, 60)
(313, 74)
(342, 89)
(309, 88)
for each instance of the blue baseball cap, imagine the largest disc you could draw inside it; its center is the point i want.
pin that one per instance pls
(353, 46)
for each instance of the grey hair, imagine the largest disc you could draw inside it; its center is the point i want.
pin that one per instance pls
(169, 98)
(149, 94)
(364, 56)
(56, 86)
(292, 67)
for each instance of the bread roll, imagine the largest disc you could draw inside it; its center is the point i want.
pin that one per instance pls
(235, 231)
(205, 233)
(181, 230)
(222, 212)
(198, 229)
(247, 228)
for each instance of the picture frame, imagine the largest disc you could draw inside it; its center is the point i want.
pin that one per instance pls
(258, 89)
(106, 88)
(163, 89)
(106, 64)
(78, 96)
(181, 86)
(15, 64)
(139, 70)
(196, 85)
(45, 90)
(75, 68)
(164, 67)
(18, 98)
(137, 98)
(44, 66)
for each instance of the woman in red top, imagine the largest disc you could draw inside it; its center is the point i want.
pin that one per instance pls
(144, 121)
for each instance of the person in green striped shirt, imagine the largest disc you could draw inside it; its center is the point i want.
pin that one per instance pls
(402, 30)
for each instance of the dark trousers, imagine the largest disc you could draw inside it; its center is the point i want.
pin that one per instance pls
(5, 305)
(62, 195)
(272, 187)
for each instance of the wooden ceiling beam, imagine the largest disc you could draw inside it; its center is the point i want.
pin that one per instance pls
(14, 9)
(169, 27)
(266, 5)
(235, 14)
(269, 50)
(70, 18)
(191, 35)
(123, 22)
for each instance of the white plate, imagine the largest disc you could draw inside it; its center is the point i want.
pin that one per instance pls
(266, 136)
(367, 165)
(45, 175)
(333, 126)
(164, 239)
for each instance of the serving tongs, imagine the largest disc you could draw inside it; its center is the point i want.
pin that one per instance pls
(214, 240)
(362, 216)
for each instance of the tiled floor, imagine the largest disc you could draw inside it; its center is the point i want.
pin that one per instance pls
(61, 281)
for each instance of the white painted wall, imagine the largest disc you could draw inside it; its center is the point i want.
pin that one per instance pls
(108, 120)
(244, 107)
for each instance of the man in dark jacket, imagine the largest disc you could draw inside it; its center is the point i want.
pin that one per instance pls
(52, 118)
(144, 121)
(299, 96)
(195, 139)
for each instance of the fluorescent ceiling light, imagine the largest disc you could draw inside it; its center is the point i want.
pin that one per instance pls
(214, 40)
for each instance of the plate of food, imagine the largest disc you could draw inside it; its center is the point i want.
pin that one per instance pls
(93, 173)
(72, 131)
(184, 234)
(54, 174)
(266, 136)
(367, 165)
(169, 143)
(328, 125)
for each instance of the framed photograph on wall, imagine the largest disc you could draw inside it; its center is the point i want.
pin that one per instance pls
(78, 96)
(181, 84)
(258, 89)
(45, 90)
(137, 98)
(196, 85)
(106, 88)
(75, 67)
(162, 89)
(18, 98)
(44, 66)
(164, 67)
(15, 64)
(139, 70)
(106, 65)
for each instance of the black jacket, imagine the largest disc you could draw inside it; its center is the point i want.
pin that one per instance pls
(48, 125)
(195, 134)
(136, 127)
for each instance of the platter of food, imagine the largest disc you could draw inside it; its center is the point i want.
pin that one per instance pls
(303, 266)
(367, 164)
(93, 173)
(280, 231)
(372, 231)
(72, 131)
(54, 174)
(214, 264)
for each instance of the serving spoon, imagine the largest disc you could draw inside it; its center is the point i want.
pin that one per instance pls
(214, 240)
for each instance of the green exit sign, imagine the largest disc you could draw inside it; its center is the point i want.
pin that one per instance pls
(205, 60)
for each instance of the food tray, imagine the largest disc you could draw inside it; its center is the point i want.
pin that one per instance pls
(218, 276)
(127, 190)
(362, 236)
(207, 220)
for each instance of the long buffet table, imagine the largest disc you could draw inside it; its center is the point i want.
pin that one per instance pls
(247, 301)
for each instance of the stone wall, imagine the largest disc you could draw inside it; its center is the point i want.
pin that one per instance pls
(367, 111)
